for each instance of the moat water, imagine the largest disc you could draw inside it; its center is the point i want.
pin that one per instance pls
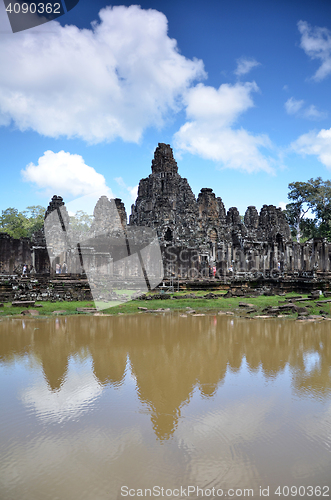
(102, 408)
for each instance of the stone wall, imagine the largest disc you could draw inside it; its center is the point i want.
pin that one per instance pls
(14, 253)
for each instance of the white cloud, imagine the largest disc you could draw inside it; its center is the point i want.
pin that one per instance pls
(75, 397)
(315, 143)
(236, 149)
(209, 134)
(114, 80)
(292, 106)
(313, 113)
(244, 66)
(222, 106)
(295, 107)
(65, 174)
(132, 190)
(316, 42)
(282, 205)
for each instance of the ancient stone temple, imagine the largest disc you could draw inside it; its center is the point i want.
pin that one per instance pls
(196, 235)
(209, 235)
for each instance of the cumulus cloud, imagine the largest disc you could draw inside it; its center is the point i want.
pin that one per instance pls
(315, 143)
(316, 42)
(245, 65)
(236, 149)
(210, 133)
(222, 106)
(111, 81)
(295, 107)
(66, 174)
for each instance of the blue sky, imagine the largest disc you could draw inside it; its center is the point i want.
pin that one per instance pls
(240, 89)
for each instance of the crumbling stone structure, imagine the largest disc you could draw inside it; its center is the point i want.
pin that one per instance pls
(109, 216)
(198, 233)
(195, 235)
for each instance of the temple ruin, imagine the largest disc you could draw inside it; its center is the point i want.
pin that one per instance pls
(196, 235)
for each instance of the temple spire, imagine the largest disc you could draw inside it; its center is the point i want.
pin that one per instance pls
(164, 160)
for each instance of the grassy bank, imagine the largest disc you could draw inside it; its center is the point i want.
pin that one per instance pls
(257, 306)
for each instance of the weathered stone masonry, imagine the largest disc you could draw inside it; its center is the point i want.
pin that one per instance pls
(194, 234)
(198, 233)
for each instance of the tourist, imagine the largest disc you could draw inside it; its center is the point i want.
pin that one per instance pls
(24, 271)
(214, 271)
(57, 268)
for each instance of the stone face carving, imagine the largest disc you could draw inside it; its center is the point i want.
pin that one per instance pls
(166, 202)
(164, 161)
(251, 218)
(273, 225)
(109, 216)
(212, 218)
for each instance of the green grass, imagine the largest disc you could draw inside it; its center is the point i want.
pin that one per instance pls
(46, 309)
(200, 305)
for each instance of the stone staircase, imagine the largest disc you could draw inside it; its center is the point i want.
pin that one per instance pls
(6, 292)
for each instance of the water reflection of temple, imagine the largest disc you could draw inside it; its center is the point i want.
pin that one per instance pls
(170, 356)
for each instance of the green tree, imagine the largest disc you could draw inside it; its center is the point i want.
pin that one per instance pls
(314, 196)
(22, 224)
(81, 222)
(34, 219)
(12, 223)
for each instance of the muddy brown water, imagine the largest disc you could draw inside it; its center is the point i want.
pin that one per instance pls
(103, 408)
